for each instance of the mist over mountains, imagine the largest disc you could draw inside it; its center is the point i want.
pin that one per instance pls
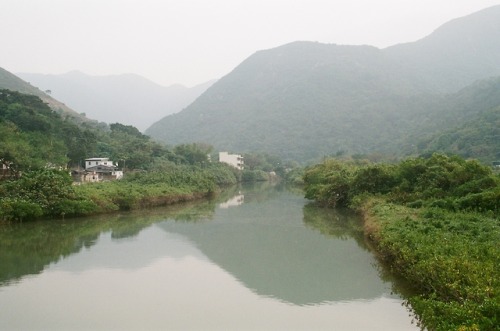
(306, 100)
(12, 82)
(128, 99)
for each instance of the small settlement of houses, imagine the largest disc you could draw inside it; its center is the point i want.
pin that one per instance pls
(100, 169)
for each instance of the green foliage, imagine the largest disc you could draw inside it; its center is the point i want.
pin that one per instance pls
(44, 192)
(19, 209)
(254, 176)
(157, 188)
(34, 136)
(329, 182)
(378, 178)
(31, 135)
(194, 154)
(439, 180)
(478, 137)
(295, 176)
(450, 258)
(47, 193)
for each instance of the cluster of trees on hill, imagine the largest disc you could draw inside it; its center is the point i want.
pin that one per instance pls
(434, 220)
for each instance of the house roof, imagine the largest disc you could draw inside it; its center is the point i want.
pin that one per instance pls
(98, 159)
(101, 168)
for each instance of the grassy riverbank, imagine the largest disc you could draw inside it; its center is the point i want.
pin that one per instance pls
(50, 193)
(435, 221)
(450, 258)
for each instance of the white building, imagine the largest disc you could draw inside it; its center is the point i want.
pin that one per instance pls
(98, 161)
(235, 160)
(99, 169)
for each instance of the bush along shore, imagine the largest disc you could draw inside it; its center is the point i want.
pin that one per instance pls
(50, 193)
(435, 221)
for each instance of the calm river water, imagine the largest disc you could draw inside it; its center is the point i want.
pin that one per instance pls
(257, 258)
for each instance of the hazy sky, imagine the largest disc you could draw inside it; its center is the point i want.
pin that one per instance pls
(192, 41)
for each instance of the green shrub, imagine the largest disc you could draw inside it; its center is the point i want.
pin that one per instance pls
(19, 209)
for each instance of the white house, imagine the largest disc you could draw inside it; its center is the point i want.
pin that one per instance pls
(235, 160)
(97, 161)
(99, 169)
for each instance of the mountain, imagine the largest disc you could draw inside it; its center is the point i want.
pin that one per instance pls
(128, 99)
(14, 83)
(470, 127)
(305, 100)
(457, 53)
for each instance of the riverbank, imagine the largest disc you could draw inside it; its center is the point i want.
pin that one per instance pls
(450, 259)
(50, 193)
(435, 221)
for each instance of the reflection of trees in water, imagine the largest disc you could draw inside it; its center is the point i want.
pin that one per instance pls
(28, 248)
(346, 224)
(337, 223)
(264, 245)
(274, 256)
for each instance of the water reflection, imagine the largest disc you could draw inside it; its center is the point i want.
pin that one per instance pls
(270, 261)
(264, 244)
(28, 248)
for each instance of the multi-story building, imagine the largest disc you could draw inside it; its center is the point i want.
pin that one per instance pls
(235, 160)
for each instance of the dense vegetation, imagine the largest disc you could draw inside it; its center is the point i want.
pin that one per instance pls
(50, 193)
(478, 138)
(435, 221)
(34, 136)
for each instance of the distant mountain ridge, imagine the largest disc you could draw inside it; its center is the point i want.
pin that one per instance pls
(305, 100)
(457, 53)
(11, 82)
(128, 99)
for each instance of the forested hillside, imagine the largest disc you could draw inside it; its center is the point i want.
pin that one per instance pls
(36, 137)
(305, 100)
(469, 127)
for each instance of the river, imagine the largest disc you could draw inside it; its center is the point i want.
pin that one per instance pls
(255, 258)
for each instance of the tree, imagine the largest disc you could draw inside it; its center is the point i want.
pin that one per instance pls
(195, 153)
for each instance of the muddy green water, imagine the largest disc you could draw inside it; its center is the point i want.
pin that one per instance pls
(256, 258)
